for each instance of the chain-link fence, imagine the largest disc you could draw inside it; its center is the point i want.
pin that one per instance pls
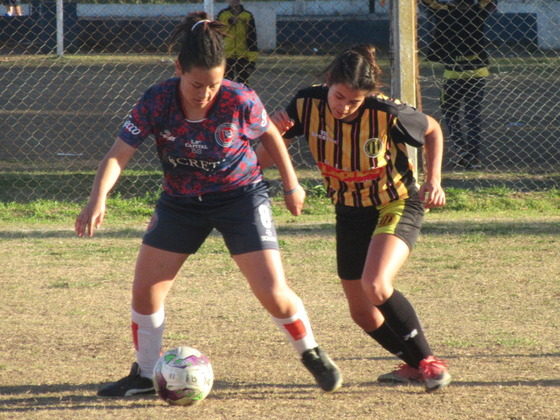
(70, 78)
(500, 62)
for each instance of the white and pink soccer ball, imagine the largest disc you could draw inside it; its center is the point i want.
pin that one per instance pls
(183, 376)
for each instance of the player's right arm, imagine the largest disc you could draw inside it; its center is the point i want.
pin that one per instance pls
(108, 173)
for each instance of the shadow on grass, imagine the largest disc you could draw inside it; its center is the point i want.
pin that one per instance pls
(46, 389)
(56, 403)
(537, 383)
(475, 356)
(487, 227)
(35, 398)
(490, 227)
(69, 233)
(26, 398)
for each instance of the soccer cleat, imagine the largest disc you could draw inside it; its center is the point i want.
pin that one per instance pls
(130, 385)
(323, 369)
(403, 375)
(435, 374)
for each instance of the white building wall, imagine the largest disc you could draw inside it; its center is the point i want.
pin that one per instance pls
(547, 11)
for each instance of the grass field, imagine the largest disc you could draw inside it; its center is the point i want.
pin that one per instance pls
(485, 282)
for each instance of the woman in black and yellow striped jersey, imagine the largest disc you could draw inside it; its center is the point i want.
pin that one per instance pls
(359, 139)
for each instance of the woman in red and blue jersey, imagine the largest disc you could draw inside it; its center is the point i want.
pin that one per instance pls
(358, 138)
(203, 126)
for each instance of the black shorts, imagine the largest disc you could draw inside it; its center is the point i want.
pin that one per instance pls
(242, 216)
(355, 226)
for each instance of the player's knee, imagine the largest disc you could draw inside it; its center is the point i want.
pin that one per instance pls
(378, 290)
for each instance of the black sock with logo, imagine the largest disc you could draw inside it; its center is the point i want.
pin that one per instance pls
(391, 342)
(401, 317)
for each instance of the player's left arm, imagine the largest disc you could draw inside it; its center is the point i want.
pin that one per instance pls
(283, 123)
(431, 192)
(273, 144)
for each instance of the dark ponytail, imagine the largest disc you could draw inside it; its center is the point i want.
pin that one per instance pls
(355, 67)
(202, 42)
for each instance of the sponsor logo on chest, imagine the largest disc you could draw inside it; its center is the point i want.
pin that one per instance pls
(323, 135)
(196, 146)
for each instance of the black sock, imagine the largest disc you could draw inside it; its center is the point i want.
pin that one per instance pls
(401, 317)
(391, 342)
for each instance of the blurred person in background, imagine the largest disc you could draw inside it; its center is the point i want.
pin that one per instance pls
(459, 43)
(13, 7)
(241, 43)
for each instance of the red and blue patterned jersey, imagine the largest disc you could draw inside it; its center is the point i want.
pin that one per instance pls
(206, 156)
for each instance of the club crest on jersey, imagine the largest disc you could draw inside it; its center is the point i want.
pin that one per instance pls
(373, 147)
(226, 134)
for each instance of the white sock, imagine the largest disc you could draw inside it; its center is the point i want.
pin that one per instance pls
(147, 334)
(298, 329)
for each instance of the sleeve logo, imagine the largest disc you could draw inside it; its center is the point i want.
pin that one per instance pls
(131, 128)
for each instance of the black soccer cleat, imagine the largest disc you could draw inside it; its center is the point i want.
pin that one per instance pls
(130, 385)
(323, 369)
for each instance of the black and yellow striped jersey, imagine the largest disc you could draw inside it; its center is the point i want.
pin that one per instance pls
(363, 162)
(241, 41)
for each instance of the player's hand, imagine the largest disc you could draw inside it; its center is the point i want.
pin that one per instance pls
(294, 202)
(282, 121)
(432, 195)
(90, 218)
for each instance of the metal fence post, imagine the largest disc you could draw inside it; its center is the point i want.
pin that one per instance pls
(59, 28)
(404, 63)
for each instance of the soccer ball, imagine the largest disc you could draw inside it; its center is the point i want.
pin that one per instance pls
(183, 376)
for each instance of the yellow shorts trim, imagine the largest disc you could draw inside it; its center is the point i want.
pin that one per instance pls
(389, 217)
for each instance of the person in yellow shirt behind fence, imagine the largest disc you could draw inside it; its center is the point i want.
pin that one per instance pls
(241, 44)
(459, 42)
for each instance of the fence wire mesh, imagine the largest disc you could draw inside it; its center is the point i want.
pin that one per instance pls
(511, 112)
(61, 113)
